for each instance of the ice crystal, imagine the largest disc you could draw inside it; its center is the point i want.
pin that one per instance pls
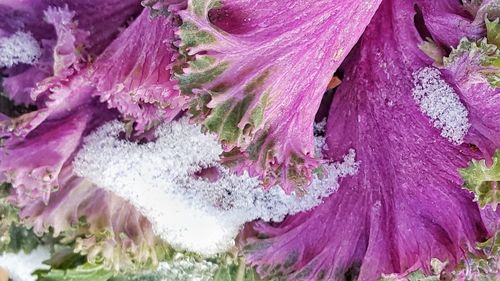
(319, 138)
(20, 47)
(441, 104)
(21, 265)
(169, 182)
(180, 268)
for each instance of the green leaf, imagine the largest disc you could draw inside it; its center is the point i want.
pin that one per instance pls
(484, 56)
(235, 270)
(14, 237)
(484, 264)
(192, 36)
(65, 257)
(4, 190)
(491, 246)
(83, 272)
(493, 31)
(22, 239)
(222, 274)
(483, 180)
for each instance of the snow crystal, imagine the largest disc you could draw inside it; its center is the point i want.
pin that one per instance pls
(440, 102)
(162, 179)
(20, 47)
(180, 268)
(319, 138)
(21, 265)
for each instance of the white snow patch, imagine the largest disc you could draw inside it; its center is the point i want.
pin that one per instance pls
(192, 213)
(183, 268)
(21, 265)
(319, 138)
(20, 47)
(180, 268)
(440, 102)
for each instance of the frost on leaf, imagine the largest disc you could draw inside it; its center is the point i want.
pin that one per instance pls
(405, 205)
(177, 183)
(256, 78)
(181, 267)
(484, 180)
(20, 47)
(439, 101)
(473, 68)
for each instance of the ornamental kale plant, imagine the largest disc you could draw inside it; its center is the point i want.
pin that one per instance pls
(250, 140)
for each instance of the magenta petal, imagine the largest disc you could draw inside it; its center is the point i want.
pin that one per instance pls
(133, 73)
(406, 205)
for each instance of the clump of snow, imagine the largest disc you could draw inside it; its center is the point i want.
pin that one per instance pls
(440, 102)
(187, 269)
(20, 47)
(21, 265)
(180, 268)
(193, 213)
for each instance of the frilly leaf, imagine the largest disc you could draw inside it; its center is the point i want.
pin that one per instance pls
(482, 49)
(140, 86)
(405, 205)
(257, 81)
(32, 164)
(437, 267)
(480, 266)
(482, 56)
(484, 181)
(166, 8)
(98, 224)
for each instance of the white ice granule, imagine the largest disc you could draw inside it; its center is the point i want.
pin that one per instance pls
(180, 268)
(186, 269)
(21, 265)
(319, 138)
(189, 212)
(440, 102)
(20, 47)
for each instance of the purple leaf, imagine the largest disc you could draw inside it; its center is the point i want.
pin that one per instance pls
(259, 72)
(406, 205)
